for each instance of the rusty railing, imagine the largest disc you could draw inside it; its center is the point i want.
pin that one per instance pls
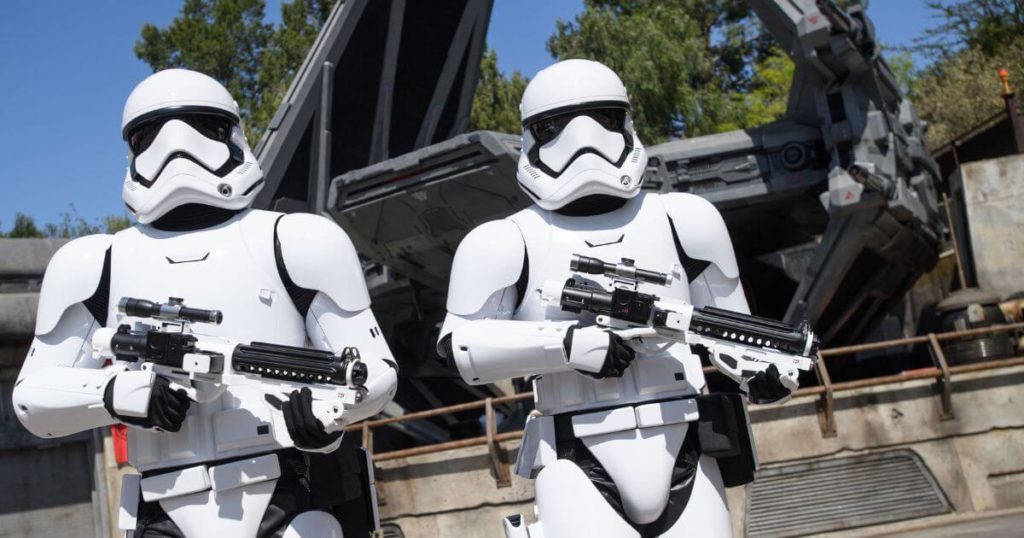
(825, 391)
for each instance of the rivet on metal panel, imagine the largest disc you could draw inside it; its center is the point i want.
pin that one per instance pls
(945, 385)
(502, 478)
(826, 403)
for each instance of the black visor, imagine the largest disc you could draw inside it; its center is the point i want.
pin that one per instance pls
(213, 125)
(611, 116)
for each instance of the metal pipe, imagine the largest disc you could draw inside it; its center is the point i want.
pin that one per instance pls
(946, 383)
(428, 413)
(924, 373)
(441, 447)
(848, 350)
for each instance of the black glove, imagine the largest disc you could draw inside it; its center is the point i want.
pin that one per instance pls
(616, 360)
(306, 431)
(766, 387)
(166, 411)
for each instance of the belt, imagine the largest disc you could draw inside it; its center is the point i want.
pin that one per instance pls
(293, 463)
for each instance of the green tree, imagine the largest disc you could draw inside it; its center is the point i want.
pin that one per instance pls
(972, 41)
(692, 67)
(768, 93)
(70, 226)
(963, 89)
(901, 62)
(287, 46)
(229, 40)
(222, 38)
(496, 101)
(658, 51)
(115, 223)
(24, 227)
(981, 25)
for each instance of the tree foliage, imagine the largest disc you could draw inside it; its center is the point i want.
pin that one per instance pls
(971, 42)
(223, 38)
(686, 63)
(964, 89)
(69, 226)
(24, 227)
(692, 66)
(980, 25)
(768, 92)
(496, 101)
(229, 40)
(301, 22)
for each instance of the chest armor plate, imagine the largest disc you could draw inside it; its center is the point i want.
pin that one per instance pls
(231, 268)
(640, 231)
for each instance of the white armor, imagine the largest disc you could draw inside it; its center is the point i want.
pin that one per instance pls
(194, 145)
(568, 151)
(285, 279)
(499, 327)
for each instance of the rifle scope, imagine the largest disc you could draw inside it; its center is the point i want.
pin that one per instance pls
(173, 310)
(625, 269)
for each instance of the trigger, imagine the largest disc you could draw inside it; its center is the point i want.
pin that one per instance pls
(274, 401)
(701, 351)
(189, 390)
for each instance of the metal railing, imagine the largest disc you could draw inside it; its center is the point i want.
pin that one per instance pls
(825, 391)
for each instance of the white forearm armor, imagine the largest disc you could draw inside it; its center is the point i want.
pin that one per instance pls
(57, 400)
(60, 387)
(339, 315)
(489, 350)
(330, 327)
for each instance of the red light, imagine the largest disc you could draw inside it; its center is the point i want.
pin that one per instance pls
(120, 434)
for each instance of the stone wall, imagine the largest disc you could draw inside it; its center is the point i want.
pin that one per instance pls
(977, 457)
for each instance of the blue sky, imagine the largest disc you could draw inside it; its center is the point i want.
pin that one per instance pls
(66, 68)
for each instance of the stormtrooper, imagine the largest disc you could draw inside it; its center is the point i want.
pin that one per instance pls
(622, 442)
(233, 465)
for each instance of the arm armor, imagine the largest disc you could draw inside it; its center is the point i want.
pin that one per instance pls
(706, 252)
(484, 343)
(60, 388)
(319, 258)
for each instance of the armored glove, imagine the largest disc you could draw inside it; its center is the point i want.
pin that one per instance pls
(767, 387)
(306, 431)
(596, 352)
(141, 398)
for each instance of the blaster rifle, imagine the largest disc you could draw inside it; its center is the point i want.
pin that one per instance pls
(204, 365)
(740, 345)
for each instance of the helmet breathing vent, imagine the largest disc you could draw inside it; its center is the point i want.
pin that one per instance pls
(530, 170)
(244, 168)
(636, 155)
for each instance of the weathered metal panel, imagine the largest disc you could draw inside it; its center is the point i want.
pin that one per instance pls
(842, 493)
(993, 196)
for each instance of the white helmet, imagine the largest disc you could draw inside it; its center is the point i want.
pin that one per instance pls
(185, 146)
(578, 137)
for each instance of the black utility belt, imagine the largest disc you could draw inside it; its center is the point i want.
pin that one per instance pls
(722, 429)
(724, 433)
(292, 462)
